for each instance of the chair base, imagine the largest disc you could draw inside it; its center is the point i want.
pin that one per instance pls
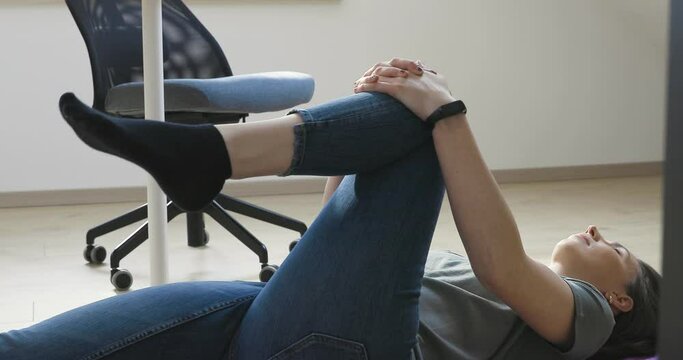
(196, 233)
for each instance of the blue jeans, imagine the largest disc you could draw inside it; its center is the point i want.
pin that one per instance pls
(348, 290)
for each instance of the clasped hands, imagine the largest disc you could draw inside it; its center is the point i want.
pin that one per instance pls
(420, 89)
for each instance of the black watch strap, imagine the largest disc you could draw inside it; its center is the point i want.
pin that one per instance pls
(454, 108)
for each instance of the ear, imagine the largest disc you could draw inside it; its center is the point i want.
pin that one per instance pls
(622, 302)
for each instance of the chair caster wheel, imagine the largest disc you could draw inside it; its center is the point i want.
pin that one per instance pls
(293, 244)
(267, 272)
(121, 279)
(94, 254)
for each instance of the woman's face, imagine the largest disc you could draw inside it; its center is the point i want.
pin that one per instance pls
(588, 256)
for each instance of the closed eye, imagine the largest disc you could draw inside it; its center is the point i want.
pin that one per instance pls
(619, 245)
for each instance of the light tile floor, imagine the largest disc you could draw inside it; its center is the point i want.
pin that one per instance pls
(42, 272)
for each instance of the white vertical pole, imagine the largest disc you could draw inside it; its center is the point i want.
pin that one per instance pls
(154, 110)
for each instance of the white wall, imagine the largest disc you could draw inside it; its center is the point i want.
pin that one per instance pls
(547, 82)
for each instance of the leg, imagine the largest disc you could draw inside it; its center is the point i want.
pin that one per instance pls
(352, 134)
(176, 321)
(174, 154)
(350, 288)
(260, 148)
(359, 134)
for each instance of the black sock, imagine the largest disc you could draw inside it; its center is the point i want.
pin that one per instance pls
(190, 162)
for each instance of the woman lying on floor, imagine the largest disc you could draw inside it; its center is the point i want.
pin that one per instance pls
(354, 285)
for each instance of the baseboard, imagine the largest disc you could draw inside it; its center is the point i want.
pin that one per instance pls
(581, 172)
(239, 188)
(314, 184)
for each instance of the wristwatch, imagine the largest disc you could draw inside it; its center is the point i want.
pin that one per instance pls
(454, 108)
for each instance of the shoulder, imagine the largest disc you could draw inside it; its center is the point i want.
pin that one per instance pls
(593, 320)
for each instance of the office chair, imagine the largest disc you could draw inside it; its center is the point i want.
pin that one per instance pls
(199, 88)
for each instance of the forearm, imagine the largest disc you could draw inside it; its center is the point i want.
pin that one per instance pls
(486, 225)
(331, 185)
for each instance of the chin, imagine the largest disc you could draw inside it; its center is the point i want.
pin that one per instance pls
(557, 251)
(564, 248)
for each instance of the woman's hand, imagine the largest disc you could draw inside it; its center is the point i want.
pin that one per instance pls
(395, 67)
(419, 89)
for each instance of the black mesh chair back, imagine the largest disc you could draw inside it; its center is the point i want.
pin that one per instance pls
(112, 30)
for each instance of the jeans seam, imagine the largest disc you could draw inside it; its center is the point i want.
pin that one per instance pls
(314, 337)
(140, 335)
(299, 141)
(398, 286)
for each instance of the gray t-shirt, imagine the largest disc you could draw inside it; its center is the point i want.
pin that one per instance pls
(460, 319)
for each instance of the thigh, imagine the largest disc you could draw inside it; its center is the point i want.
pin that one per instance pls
(350, 288)
(175, 321)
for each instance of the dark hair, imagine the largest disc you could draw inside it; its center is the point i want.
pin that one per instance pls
(635, 332)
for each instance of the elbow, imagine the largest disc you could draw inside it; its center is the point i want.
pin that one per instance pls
(497, 273)
(486, 270)
(492, 281)
(487, 278)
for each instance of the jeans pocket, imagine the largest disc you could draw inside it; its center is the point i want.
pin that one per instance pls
(319, 346)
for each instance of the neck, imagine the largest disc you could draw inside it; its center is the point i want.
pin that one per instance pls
(557, 268)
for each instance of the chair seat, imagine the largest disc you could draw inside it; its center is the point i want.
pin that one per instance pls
(252, 93)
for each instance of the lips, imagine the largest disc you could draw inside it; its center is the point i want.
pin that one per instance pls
(585, 238)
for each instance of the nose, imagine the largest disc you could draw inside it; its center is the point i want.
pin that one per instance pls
(593, 231)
